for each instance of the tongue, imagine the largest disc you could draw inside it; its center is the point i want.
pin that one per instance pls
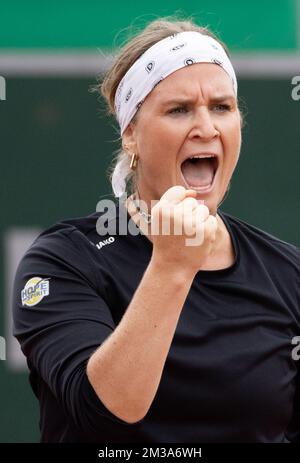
(198, 173)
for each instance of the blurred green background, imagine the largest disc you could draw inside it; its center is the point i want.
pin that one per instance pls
(57, 142)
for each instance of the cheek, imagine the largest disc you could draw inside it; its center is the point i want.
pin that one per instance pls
(232, 139)
(160, 139)
(231, 146)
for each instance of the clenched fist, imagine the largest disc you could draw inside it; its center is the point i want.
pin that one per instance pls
(182, 230)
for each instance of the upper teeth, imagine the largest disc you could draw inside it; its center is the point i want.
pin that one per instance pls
(202, 156)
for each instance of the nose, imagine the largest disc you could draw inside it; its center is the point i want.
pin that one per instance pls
(203, 125)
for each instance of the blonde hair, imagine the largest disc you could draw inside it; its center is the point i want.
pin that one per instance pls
(121, 176)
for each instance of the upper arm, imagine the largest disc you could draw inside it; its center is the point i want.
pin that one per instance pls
(59, 333)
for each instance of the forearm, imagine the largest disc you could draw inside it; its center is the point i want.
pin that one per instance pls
(126, 369)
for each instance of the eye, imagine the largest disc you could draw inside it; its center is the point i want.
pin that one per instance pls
(222, 107)
(178, 109)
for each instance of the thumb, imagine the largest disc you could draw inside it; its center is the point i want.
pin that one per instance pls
(177, 193)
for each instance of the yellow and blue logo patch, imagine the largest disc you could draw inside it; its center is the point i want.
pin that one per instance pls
(34, 291)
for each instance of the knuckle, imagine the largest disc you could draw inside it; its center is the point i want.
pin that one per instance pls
(209, 224)
(190, 202)
(203, 211)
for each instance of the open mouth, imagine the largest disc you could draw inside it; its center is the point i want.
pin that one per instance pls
(199, 172)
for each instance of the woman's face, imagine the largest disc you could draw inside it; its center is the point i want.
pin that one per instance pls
(192, 112)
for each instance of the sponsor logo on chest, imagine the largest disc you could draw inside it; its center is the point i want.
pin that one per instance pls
(109, 240)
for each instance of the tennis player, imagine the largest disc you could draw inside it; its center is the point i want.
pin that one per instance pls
(155, 336)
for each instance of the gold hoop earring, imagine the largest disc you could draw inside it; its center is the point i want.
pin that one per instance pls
(133, 162)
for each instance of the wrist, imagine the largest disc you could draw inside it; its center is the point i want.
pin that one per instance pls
(172, 269)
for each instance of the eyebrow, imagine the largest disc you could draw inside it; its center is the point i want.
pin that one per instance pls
(189, 101)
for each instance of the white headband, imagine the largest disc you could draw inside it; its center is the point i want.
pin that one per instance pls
(159, 61)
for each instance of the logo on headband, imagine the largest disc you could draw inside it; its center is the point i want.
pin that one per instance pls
(157, 82)
(150, 66)
(177, 47)
(189, 61)
(216, 61)
(128, 95)
(139, 104)
(119, 91)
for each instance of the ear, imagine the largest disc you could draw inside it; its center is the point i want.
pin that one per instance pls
(129, 139)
